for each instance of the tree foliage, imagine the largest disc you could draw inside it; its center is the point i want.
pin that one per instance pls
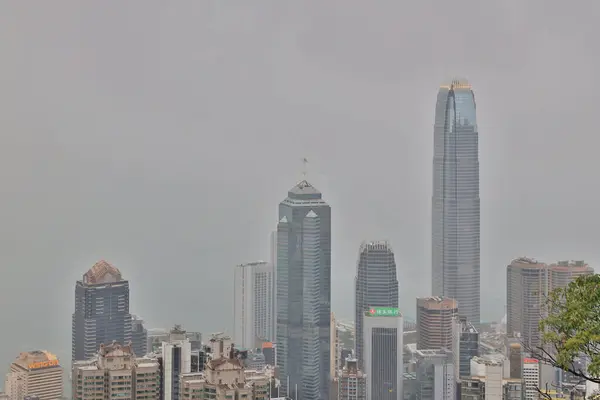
(571, 327)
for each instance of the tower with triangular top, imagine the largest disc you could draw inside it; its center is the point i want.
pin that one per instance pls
(304, 293)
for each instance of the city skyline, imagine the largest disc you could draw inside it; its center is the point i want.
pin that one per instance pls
(138, 143)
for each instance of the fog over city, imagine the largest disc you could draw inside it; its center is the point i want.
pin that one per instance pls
(161, 136)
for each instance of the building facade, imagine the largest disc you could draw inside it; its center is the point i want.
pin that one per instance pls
(455, 204)
(376, 285)
(304, 292)
(139, 336)
(529, 283)
(467, 345)
(225, 377)
(101, 311)
(176, 361)
(35, 373)
(383, 353)
(352, 383)
(531, 377)
(116, 373)
(435, 375)
(254, 304)
(435, 318)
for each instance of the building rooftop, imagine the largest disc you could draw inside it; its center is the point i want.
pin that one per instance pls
(36, 359)
(102, 272)
(437, 303)
(457, 84)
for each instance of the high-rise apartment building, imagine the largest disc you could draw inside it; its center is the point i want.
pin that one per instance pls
(531, 377)
(176, 361)
(254, 304)
(383, 332)
(101, 311)
(225, 377)
(352, 383)
(116, 373)
(304, 292)
(35, 373)
(376, 285)
(528, 284)
(455, 205)
(435, 316)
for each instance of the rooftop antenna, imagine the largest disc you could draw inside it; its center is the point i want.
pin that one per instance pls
(304, 167)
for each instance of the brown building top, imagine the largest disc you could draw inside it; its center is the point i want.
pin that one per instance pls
(100, 272)
(437, 303)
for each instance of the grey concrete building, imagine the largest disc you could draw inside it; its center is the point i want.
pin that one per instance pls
(468, 345)
(455, 204)
(304, 293)
(376, 285)
(101, 311)
(139, 336)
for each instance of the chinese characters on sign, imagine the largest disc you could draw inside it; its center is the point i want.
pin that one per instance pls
(384, 312)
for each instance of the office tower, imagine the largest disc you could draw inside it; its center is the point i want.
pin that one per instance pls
(176, 360)
(434, 322)
(225, 377)
(35, 373)
(484, 388)
(513, 352)
(101, 311)
(455, 205)
(531, 376)
(304, 293)
(382, 352)
(376, 285)
(435, 375)
(115, 373)
(467, 344)
(139, 336)
(269, 351)
(156, 337)
(529, 283)
(352, 383)
(492, 371)
(254, 304)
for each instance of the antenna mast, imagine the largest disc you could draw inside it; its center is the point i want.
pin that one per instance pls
(304, 166)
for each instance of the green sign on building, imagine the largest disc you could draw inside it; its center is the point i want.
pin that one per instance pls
(383, 312)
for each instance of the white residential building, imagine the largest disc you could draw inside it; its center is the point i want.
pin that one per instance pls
(531, 376)
(254, 304)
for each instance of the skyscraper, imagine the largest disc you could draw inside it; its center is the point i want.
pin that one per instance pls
(383, 333)
(455, 204)
(35, 373)
(376, 285)
(254, 303)
(304, 293)
(435, 316)
(101, 311)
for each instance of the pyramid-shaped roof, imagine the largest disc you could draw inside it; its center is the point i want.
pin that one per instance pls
(101, 272)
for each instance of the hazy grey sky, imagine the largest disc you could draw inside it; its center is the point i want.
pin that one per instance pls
(162, 135)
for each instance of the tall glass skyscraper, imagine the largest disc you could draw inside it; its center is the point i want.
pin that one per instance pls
(101, 311)
(376, 285)
(304, 293)
(455, 209)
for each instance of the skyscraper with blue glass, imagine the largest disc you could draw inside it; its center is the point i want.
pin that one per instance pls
(304, 293)
(455, 209)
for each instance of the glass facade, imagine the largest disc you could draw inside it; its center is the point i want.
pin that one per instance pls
(376, 285)
(455, 203)
(304, 293)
